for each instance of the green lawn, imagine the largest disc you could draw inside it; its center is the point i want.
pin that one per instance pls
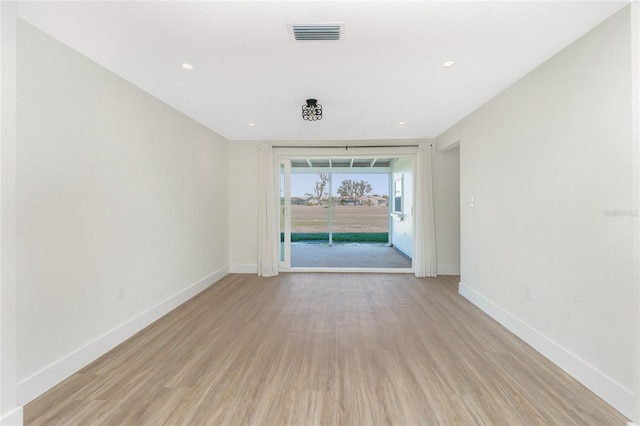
(340, 237)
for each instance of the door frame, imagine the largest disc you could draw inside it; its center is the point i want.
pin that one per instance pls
(284, 155)
(284, 215)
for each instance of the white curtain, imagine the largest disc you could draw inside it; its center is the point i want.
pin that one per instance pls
(424, 250)
(268, 224)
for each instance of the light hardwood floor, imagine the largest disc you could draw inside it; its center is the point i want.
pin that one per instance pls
(334, 349)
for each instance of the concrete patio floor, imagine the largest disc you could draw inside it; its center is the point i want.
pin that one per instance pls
(347, 256)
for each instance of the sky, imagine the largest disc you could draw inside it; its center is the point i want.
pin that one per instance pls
(302, 184)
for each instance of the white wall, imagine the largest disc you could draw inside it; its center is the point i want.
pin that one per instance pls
(549, 164)
(446, 201)
(244, 179)
(115, 189)
(635, 135)
(402, 228)
(10, 410)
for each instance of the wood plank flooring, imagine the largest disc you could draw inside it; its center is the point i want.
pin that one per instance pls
(330, 349)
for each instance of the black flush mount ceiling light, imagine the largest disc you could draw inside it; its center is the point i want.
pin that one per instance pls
(312, 111)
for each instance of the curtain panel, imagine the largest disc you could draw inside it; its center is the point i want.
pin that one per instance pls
(268, 226)
(424, 249)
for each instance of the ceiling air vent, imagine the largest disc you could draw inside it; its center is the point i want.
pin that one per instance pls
(316, 32)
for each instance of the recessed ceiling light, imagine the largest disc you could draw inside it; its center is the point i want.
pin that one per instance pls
(187, 66)
(401, 123)
(252, 124)
(448, 64)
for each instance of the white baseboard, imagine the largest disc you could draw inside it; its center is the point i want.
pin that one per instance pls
(448, 269)
(43, 380)
(243, 268)
(12, 418)
(616, 395)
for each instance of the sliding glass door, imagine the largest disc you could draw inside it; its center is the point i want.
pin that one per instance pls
(337, 213)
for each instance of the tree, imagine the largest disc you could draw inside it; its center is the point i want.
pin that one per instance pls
(354, 189)
(320, 186)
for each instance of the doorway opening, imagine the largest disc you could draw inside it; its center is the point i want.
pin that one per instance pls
(347, 213)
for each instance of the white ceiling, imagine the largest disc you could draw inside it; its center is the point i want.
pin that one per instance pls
(387, 68)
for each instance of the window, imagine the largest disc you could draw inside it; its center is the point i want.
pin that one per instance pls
(398, 189)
